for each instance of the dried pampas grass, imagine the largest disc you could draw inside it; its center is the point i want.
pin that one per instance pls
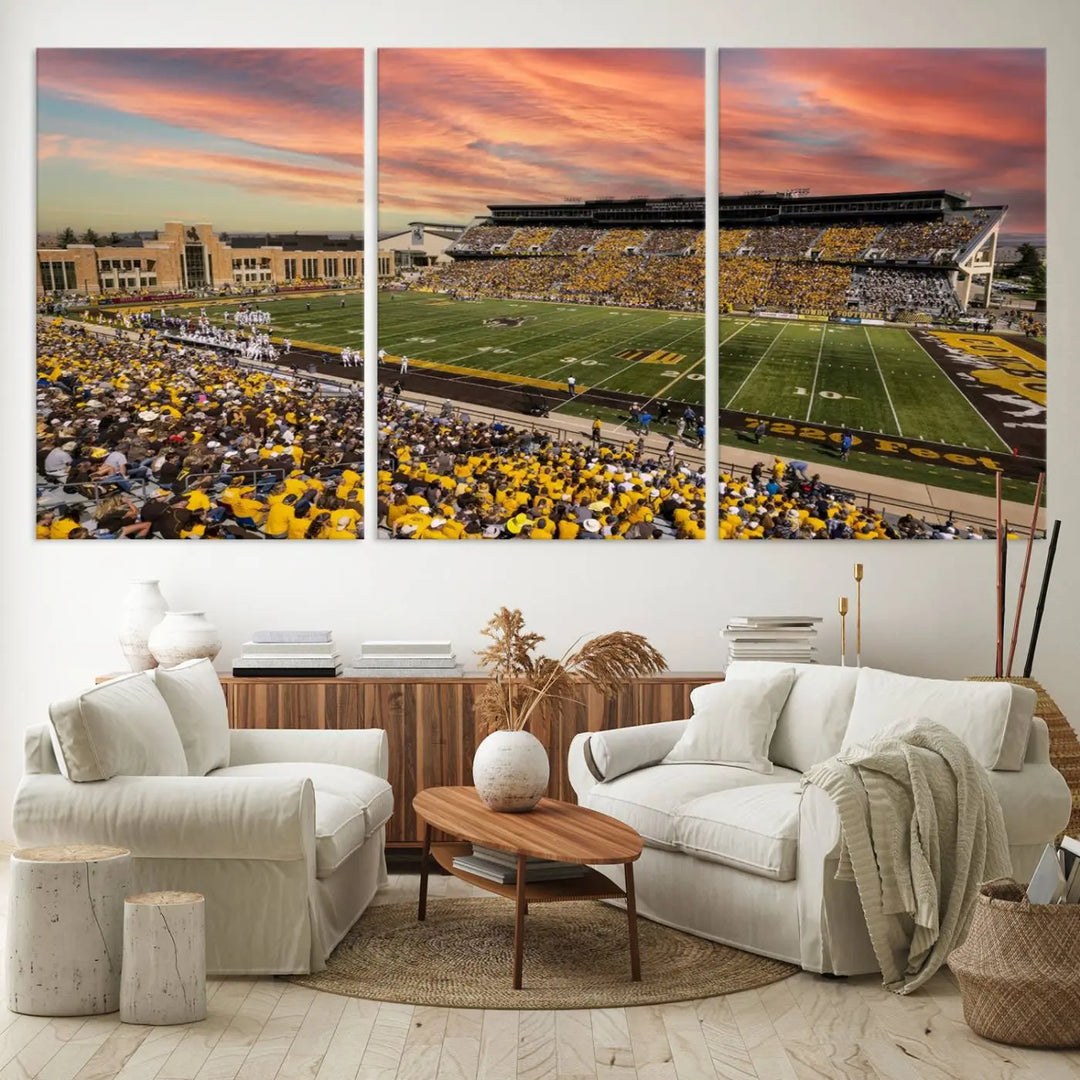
(525, 685)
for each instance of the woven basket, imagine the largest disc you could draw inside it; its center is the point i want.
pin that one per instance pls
(1019, 969)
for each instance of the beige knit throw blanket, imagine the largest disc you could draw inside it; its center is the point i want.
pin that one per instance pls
(921, 830)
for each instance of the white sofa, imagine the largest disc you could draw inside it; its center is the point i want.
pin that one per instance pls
(283, 834)
(749, 858)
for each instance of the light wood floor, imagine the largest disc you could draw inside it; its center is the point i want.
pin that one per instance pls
(804, 1028)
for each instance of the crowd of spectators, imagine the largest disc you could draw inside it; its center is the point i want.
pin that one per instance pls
(139, 439)
(574, 240)
(673, 282)
(569, 240)
(482, 238)
(673, 242)
(749, 284)
(618, 240)
(789, 268)
(845, 241)
(780, 500)
(934, 240)
(887, 292)
(781, 241)
(527, 239)
(732, 239)
(449, 477)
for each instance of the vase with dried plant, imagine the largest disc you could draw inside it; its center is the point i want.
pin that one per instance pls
(510, 766)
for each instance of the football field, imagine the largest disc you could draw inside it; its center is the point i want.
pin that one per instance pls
(906, 391)
(872, 378)
(649, 354)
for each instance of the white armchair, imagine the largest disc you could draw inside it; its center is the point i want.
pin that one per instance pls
(285, 842)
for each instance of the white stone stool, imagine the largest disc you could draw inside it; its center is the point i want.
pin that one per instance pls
(65, 929)
(164, 978)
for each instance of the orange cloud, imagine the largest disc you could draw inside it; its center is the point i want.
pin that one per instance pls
(306, 101)
(852, 120)
(462, 128)
(287, 180)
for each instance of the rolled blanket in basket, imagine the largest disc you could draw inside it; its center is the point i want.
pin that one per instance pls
(920, 830)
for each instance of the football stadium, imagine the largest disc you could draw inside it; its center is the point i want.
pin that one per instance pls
(857, 338)
(546, 380)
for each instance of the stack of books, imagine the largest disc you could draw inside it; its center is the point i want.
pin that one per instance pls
(785, 638)
(289, 654)
(406, 660)
(501, 866)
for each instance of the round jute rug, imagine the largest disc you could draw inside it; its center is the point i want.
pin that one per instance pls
(577, 956)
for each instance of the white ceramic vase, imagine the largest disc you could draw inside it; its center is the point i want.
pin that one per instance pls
(144, 608)
(510, 770)
(184, 635)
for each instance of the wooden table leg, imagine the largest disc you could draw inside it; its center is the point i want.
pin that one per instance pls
(421, 912)
(631, 916)
(519, 920)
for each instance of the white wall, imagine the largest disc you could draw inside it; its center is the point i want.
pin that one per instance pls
(928, 607)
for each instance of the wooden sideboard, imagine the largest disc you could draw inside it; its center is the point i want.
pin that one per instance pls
(431, 727)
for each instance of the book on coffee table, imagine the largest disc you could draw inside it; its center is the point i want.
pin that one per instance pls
(503, 867)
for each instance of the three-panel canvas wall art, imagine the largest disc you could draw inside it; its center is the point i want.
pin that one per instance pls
(878, 264)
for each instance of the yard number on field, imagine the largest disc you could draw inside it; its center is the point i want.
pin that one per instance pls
(832, 395)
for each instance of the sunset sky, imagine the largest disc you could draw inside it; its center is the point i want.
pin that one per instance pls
(245, 139)
(843, 121)
(462, 128)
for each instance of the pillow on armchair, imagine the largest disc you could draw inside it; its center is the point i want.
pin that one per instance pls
(193, 693)
(121, 728)
(733, 722)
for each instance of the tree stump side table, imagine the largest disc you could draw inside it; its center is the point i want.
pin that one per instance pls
(164, 977)
(65, 929)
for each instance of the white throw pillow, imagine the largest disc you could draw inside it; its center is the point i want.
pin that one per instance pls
(192, 691)
(733, 722)
(811, 725)
(121, 728)
(993, 721)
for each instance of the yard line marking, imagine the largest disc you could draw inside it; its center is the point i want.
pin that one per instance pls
(633, 363)
(885, 385)
(938, 368)
(682, 374)
(518, 360)
(813, 385)
(578, 340)
(750, 373)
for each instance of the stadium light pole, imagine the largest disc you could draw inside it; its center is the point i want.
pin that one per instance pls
(371, 295)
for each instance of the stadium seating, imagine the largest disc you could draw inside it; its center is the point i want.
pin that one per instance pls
(446, 477)
(890, 291)
(211, 450)
(835, 270)
(845, 241)
(778, 500)
(781, 241)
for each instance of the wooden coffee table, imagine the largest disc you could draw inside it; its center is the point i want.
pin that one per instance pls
(553, 830)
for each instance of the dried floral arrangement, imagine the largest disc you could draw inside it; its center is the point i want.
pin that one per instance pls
(525, 685)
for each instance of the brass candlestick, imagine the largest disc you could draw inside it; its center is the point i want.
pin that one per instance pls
(858, 614)
(841, 607)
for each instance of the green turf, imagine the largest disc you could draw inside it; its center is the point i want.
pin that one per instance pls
(871, 378)
(553, 342)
